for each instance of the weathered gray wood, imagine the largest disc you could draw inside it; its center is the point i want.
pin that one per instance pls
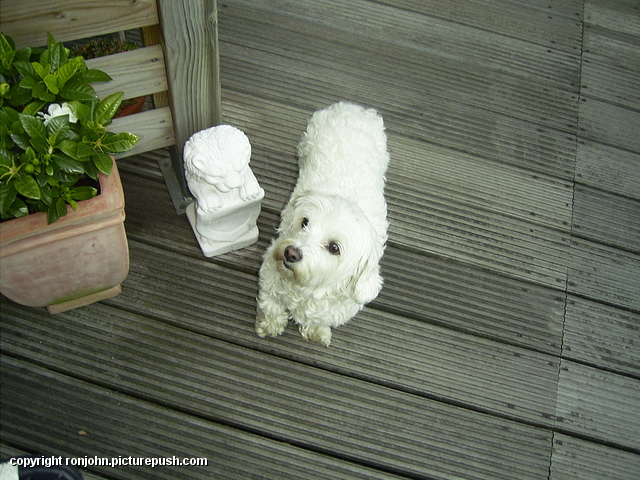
(574, 458)
(599, 405)
(610, 124)
(607, 218)
(602, 336)
(604, 273)
(556, 26)
(154, 127)
(28, 21)
(135, 73)
(190, 32)
(118, 425)
(608, 168)
(296, 403)
(617, 15)
(412, 98)
(456, 295)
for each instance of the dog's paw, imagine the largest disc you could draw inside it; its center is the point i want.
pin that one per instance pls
(317, 334)
(269, 327)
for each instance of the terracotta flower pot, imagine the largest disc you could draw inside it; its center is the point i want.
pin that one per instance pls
(80, 259)
(135, 107)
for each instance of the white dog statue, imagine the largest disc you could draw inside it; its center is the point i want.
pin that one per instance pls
(227, 194)
(324, 265)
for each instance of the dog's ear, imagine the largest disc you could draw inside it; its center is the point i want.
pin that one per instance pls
(367, 283)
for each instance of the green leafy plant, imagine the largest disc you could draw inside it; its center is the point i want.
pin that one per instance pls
(53, 138)
(101, 47)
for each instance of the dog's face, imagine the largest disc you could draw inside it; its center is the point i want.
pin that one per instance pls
(326, 244)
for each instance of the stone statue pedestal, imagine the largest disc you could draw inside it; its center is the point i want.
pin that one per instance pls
(227, 194)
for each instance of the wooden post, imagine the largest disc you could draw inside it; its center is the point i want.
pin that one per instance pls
(190, 34)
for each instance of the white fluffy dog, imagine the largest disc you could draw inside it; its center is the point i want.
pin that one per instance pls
(324, 265)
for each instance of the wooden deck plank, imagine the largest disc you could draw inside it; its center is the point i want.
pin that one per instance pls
(616, 15)
(606, 218)
(302, 405)
(602, 336)
(428, 74)
(422, 33)
(604, 273)
(117, 425)
(439, 200)
(574, 458)
(428, 360)
(460, 296)
(552, 25)
(608, 168)
(610, 124)
(599, 405)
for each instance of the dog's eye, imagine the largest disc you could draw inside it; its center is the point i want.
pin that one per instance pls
(333, 248)
(304, 223)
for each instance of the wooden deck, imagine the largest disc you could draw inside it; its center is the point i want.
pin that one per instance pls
(506, 341)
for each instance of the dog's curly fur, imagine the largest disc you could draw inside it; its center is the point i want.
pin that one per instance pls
(324, 265)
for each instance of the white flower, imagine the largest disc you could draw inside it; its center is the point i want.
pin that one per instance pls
(56, 110)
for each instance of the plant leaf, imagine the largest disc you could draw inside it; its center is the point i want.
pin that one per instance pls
(84, 150)
(18, 209)
(42, 92)
(76, 89)
(52, 83)
(66, 72)
(36, 130)
(8, 194)
(68, 164)
(119, 142)
(57, 128)
(25, 69)
(108, 107)
(96, 76)
(56, 210)
(103, 162)
(83, 193)
(27, 187)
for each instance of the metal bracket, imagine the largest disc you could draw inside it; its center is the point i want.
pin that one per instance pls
(173, 173)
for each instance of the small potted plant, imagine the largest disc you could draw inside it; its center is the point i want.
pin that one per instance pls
(62, 239)
(101, 47)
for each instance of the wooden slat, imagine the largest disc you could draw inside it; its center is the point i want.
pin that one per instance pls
(136, 73)
(616, 15)
(421, 33)
(601, 335)
(604, 273)
(607, 218)
(598, 404)
(459, 296)
(610, 124)
(413, 96)
(426, 358)
(28, 21)
(608, 168)
(117, 425)
(553, 25)
(154, 127)
(429, 74)
(300, 404)
(573, 458)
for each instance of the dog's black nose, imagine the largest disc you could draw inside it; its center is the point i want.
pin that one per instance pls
(292, 254)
